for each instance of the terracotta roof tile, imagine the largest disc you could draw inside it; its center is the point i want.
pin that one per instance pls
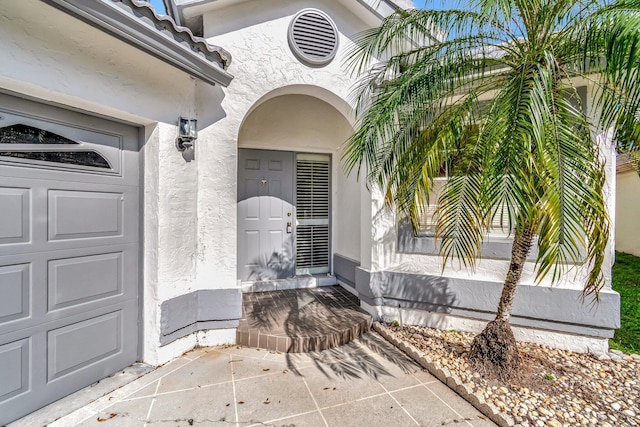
(163, 23)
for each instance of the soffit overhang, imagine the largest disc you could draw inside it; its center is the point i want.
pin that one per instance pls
(137, 24)
(183, 10)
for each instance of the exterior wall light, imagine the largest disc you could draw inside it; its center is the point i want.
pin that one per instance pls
(187, 133)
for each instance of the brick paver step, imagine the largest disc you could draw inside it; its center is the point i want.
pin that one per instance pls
(301, 320)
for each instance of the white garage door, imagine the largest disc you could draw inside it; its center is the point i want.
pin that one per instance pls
(68, 252)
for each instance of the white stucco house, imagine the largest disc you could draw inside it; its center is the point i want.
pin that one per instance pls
(627, 203)
(121, 242)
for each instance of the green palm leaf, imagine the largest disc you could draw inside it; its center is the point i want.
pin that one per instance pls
(502, 95)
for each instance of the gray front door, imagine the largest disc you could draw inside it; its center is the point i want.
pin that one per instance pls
(265, 215)
(68, 252)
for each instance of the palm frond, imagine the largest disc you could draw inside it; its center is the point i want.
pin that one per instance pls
(495, 85)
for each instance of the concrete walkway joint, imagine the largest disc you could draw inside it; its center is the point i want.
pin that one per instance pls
(367, 382)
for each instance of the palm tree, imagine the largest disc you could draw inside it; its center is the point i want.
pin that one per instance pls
(497, 103)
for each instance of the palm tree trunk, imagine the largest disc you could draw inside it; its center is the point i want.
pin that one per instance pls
(521, 246)
(494, 350)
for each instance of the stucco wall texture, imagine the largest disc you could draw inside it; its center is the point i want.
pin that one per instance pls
(265, 68)
(276, 102)
(189, 216)
(85, 69)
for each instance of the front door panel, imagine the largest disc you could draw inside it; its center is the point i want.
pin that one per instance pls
(265, 215)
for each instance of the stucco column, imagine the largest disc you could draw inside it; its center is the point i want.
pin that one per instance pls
(216, 155)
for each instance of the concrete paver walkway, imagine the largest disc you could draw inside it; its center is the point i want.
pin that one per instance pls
(365, 383)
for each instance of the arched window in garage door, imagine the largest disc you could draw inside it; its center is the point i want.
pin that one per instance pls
(21, 141)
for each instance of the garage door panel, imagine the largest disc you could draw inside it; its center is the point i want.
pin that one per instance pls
(43, 387)
(14, 368)
(78, 216)
(77, 345)
(14, 215)
(83, 279)
(58, 320)
(61, 284)
(97, 357)
(84, 214)
(69, 231)
(15, 288)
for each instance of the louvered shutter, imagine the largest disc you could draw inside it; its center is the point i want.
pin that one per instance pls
(312, 213)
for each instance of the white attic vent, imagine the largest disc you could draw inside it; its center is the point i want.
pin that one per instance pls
(313, 37)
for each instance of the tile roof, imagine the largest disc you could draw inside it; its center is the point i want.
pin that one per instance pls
(163, 23)
(137, 24)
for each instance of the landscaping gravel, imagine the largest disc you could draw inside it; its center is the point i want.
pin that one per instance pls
(556, 387)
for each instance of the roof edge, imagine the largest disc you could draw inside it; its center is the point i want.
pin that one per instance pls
(380, 8)
(137, 24)
(377, 7)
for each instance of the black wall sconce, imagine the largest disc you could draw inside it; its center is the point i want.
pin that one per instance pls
(187, 133)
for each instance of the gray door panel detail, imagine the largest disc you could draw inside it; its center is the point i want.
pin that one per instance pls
(67, 215)
(69, 258)
(265, 215)
(54, 294)
(14, 227)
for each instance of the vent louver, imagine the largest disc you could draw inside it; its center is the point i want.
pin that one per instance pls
(313, 37)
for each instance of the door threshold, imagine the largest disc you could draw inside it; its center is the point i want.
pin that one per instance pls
(297, 282)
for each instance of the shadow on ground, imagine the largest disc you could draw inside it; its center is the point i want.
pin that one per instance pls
(356, 360)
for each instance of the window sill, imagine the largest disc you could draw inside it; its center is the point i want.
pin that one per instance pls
(494, 247)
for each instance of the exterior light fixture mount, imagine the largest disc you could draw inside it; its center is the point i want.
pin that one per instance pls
(187, 133)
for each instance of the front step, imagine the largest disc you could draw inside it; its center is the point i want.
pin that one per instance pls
(297, 282)
(301, 320)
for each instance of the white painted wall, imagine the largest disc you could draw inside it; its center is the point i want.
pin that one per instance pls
(406, 4)
(347, 215)
(52, 57)
(265, 69)
(294, 123)
(46, 53)
(385, 255)
(627, 227)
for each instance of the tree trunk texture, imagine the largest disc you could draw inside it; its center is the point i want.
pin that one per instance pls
(494, 350)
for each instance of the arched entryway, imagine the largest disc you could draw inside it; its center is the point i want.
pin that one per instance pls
(290, 184)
